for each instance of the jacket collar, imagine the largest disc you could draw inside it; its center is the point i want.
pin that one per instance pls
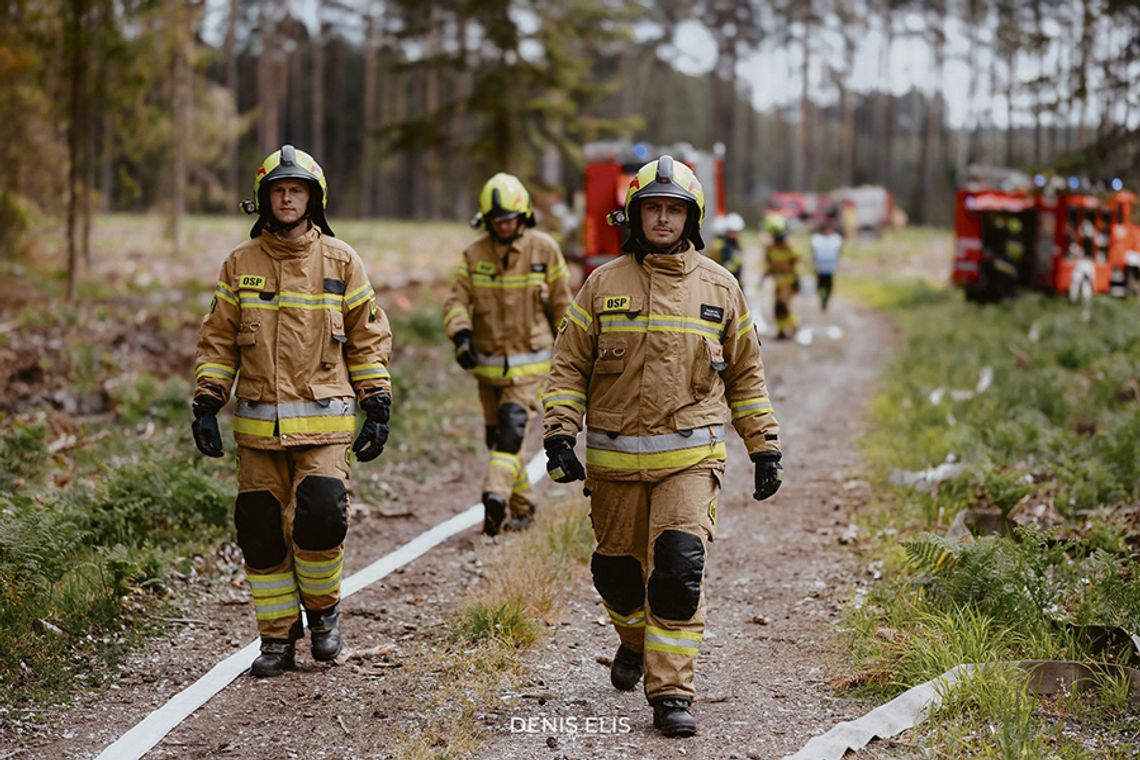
(280, 248)
(679, 263)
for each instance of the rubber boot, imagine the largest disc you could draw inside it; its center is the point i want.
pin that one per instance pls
(626, 669)
(277, 655)
(324, 628)
(494, 510)
(671, 716)
(518, 523)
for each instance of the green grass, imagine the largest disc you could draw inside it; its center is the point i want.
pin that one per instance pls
(1052, 442)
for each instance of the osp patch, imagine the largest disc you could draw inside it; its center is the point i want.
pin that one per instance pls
(251, 282)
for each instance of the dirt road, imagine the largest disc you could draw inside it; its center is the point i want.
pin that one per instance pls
(775, 582)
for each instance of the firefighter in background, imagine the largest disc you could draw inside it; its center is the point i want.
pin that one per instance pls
(726, 249)
(294, 320)
(826, 248)
(657, 349)
(507, 297)
(781, 260)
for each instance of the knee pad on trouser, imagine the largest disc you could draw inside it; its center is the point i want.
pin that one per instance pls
(321, 521)
(492, 435)
(619, 581)
(512, 428)
(257, 517)
(678, 568)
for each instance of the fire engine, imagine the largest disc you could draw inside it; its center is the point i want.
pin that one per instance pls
(609, 168)
(1056, 235)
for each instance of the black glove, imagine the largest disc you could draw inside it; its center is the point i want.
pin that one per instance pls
(374, 432)
(207, 437)
(561, 462)
(769, 474)
(464, 350)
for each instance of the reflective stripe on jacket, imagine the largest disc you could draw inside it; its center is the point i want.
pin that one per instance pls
(511, 299)
(296, 324)
(658, 355)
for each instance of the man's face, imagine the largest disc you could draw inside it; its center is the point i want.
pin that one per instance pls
(288, 199)
(505, 227)
(663, 220)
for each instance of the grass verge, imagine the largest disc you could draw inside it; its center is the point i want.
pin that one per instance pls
(1034, 414)
(493, 628)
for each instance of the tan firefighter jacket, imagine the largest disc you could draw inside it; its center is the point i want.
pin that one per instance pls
(296, 322)
(510, 298)
(781, 260)
(658, 355)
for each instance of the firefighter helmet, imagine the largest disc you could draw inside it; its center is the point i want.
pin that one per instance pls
(666, 178)
(504, 197)
(289, 163)
(776, 225)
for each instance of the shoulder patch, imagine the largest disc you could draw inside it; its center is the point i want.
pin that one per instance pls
(538, 267)
(562, 323)
(712, 313)
(616, 303)
(251, 281)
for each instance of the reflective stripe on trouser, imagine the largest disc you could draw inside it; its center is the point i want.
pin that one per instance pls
(629, 519)
(279, 473)
(506, 473)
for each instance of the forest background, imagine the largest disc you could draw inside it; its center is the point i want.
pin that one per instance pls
(166, 105)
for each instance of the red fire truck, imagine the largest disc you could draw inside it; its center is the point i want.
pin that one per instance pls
(609, 168)
(1056, 236)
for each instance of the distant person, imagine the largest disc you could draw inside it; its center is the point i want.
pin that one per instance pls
(511, 289)
(726, 249)
(781, 261)
(658, 350)
(826, 248)
(295, 321)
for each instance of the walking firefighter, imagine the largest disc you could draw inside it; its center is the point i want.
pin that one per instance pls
(509, 292)
(294, 321)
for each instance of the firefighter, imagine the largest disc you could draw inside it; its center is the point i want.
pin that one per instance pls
(508, 294)
(726, 247)
(781, 261)
(826, 248)
(659, 346)
(294, 321)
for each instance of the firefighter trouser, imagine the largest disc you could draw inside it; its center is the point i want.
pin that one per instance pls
(649, 567)
(507, 409)
(292, 516)
(785, 291)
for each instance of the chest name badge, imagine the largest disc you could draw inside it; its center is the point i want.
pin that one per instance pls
(617, 303)
(712, 313)
(485, 267)
(251, 281)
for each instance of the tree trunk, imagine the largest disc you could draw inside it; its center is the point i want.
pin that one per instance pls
(269, 130)
(886, 100)
(803, 172)
(233, 175)
(77, 42)
(368, 117)
(431, 189)
(318, 104)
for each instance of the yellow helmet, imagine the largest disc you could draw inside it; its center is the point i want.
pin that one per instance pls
(776, 225)
(666, 178)
(289, 163)
(504, 197)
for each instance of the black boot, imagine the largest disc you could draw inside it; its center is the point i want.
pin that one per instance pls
(494, 510)
(626, 669)
(324, 628)
(277, 655)
(671, 716)
(518, 523)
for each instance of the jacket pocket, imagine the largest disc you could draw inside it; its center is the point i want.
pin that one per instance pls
(612, 356)
(324, 392)
(707, 367)
(247, 334)
(333, 350)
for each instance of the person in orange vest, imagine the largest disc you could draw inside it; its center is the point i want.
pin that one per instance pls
(294, 321)
(505, 302)
(658, 351)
